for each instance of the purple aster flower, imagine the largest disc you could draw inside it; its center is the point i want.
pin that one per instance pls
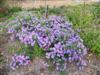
(19, 60)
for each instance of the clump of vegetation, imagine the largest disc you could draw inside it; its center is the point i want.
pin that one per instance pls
(6, 12)
(86, 21)
(15, 9)
(47, 37)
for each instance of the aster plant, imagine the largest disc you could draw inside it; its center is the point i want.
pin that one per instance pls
(61, 44)
(19, 60)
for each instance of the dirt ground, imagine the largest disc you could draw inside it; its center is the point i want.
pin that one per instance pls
(51, 3)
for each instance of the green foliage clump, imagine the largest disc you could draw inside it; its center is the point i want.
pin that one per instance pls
(91, 39)
(35, 51)
(6, 13)
(39, 52)
(15, 9)
(32, 52)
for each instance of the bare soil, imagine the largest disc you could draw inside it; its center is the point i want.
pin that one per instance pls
(38, 3)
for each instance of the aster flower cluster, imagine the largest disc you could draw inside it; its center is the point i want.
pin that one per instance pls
(61, 57)
(19, 60)
(56, 36)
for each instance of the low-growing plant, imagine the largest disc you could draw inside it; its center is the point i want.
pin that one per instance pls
(15, 9)
(19, 60)
(53, 37)
(38, 52)
(91, 40)
(63, 73)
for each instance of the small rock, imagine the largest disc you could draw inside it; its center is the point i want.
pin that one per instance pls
(42, 74)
